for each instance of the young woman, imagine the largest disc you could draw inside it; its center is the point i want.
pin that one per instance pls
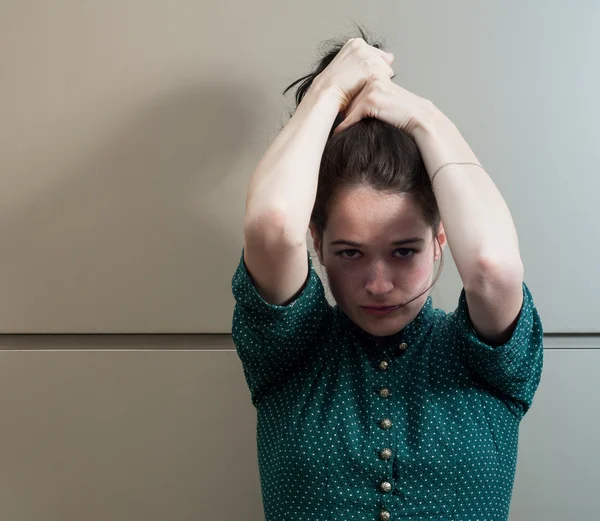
(381, 407)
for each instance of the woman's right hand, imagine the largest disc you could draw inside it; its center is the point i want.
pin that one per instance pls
(355, 64)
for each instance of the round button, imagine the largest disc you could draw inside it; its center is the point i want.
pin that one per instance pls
(383, 365)
(385, 454)
(384, 515)
(386, 423)
(384, 392)
(403, 346)
(385, 486)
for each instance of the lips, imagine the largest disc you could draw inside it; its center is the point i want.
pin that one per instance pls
(379, 310)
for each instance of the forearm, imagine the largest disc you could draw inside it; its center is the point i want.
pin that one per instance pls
(283, 187)
(477, 221)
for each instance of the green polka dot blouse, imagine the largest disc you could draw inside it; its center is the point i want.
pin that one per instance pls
(423, 427)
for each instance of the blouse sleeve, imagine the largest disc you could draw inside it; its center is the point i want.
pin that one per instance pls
(512, 369)
(270, 339)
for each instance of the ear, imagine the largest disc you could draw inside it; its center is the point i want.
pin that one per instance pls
(318, 244)
(442, 239)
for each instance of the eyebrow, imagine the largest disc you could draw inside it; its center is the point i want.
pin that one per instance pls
(412, 240)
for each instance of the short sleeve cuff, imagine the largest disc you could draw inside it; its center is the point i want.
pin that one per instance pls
(246, 295)
(521, 337)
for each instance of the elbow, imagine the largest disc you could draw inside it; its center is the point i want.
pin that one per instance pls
(272, 228)
(488, 274)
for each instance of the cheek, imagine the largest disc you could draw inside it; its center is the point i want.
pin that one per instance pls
(423, 269)
(337, 281)
(342, 280)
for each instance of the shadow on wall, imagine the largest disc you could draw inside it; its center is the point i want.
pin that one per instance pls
(121, 232)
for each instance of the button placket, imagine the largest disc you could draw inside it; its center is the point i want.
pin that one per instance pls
(386, 366)
(382, 393)
(385, 453)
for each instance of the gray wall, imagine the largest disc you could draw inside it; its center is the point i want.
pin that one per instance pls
(129, 131)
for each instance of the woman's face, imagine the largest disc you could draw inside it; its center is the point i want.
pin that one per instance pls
(377, 251)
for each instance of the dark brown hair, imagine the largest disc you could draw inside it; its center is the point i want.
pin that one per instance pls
(369, 153)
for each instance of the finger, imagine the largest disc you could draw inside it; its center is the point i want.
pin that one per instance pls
(384, 70)
(354, 113)
(349, 109)
(358, 108)
(357, 99)
(387, 56)
(391, 72)
(368, 103)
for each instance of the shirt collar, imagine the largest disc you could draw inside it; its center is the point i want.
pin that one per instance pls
(422, 320)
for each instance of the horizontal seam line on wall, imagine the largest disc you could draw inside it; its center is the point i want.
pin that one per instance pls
(207, 350)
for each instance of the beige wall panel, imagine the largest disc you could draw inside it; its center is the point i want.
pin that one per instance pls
(559, 457)
(149, 435)
(126, 436)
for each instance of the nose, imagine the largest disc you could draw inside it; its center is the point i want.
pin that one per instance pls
(379, 282)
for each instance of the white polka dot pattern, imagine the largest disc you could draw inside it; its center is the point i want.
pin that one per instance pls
(451, 404)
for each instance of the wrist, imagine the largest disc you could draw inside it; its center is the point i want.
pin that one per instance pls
(439, 140)
(326, 92)
(319, 106)
(429, 121)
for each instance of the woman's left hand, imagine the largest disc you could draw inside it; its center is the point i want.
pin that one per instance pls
(386, 101)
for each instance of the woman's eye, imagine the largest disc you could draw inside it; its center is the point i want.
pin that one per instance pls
(406, 252)
(348, 254)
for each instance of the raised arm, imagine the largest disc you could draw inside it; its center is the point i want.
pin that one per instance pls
(282, 190)
(479, 227)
